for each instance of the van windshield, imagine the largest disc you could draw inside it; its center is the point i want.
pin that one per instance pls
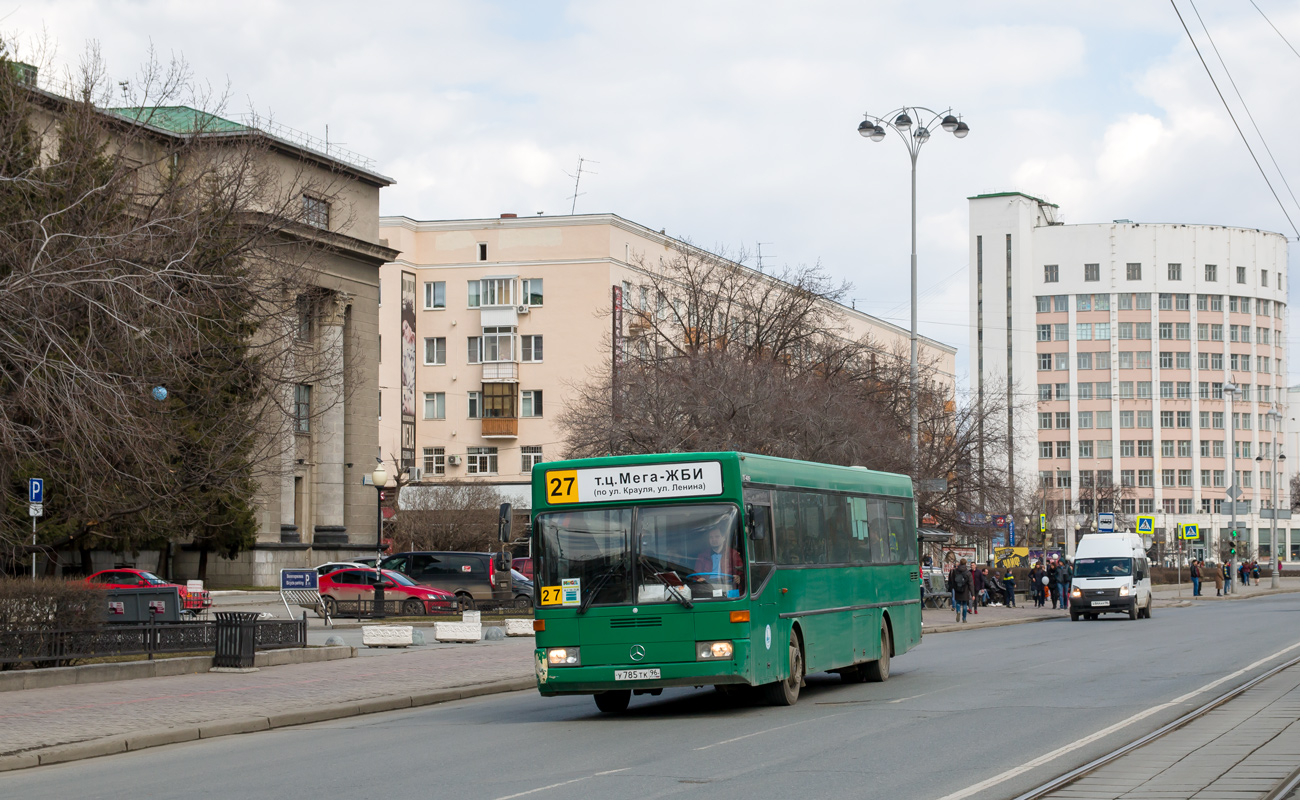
(1102, 567)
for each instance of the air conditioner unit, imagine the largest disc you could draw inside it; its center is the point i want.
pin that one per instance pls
(453, 460)
(522, 310)
(414, 474)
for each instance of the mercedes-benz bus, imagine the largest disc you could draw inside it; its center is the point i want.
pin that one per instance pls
(719, 569)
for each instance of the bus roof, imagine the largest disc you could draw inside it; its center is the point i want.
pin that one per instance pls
(752, 469)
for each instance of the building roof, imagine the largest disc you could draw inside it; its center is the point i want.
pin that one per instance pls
(179, 119)
(615, 220)
(1038, 200)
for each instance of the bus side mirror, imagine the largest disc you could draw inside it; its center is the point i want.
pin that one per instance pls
(503, 524)
(751, 528)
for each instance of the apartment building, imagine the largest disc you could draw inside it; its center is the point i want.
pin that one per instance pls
(488, 325)
(1121, 345)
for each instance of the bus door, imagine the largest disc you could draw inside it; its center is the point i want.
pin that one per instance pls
(767, 642)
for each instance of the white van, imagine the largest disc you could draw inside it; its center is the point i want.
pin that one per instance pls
(1111, 576)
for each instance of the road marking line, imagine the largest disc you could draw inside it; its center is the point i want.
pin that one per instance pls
(563, 783)
(1075, 745)
(760, 733)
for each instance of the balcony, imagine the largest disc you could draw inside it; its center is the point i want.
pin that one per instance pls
(500, 372)
(500, 427)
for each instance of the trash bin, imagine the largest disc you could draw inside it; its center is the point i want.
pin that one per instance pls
(236, 639)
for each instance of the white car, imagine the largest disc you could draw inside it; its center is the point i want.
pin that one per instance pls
(332, 566)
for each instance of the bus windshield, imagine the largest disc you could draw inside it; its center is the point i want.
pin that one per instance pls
(1102, 567)
(658, 554)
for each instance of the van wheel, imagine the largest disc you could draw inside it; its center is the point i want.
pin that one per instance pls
(1133, 610)
(1146, 614)
(786, 692)
(878, 671)
(464, 602)
(1074, 616)
(614, 702)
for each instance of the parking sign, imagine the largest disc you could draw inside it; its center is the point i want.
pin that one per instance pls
(35, 490)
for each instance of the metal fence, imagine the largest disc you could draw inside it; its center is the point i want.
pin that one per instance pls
(367, 609)
(43, 647)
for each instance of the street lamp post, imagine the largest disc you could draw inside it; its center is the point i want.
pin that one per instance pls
(380, 478)
(1274, 582)
(1230, 389)
(900, 121)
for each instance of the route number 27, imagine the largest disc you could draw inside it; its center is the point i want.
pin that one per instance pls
(562, 486)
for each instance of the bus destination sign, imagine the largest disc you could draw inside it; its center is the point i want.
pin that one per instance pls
(641, 482)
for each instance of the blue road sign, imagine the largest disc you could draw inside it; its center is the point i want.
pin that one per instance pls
(36, 490)
(1106, 522)
(1011, 532)
(298, 579)
(1146, 525)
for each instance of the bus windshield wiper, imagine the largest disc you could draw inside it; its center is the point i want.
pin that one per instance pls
(597, 585)
(648, 567)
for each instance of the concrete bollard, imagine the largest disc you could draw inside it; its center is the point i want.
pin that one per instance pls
(494, 633)
(457, 631)
(519, 627)
(387, 635)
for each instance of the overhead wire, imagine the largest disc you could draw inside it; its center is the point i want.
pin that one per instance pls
(1274, 27)
(1232, 116)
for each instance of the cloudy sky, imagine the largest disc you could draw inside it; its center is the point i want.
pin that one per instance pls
(732, 123)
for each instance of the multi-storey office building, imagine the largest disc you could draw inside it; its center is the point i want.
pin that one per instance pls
(1119, 345)
(488, 325)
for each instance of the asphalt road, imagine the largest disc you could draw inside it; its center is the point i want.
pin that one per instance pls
(961, 711)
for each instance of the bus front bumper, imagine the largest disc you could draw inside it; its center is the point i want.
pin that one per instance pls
(602, 678)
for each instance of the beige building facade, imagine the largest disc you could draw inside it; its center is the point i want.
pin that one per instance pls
(487, 325)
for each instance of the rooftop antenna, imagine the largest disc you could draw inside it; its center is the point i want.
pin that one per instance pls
(760, 255)
(125, 87)
(577, 178)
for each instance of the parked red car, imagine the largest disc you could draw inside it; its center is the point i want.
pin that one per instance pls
(524, 565)
(193, 602)
(359, 584)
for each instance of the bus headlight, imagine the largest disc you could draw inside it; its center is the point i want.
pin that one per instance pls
(563, 657)
(709, 651)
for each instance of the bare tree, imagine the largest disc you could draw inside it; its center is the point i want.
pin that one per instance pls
(721, 357)
(147, 244)
(450, 516)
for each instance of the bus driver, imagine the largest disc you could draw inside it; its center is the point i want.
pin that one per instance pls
(719, 561)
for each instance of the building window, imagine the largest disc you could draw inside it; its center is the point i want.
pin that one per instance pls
(316, 212)
(1085, 451)
(1142, 330)
(1126, 477)
(1166, 331)
(1044, 303)
(1143, 301)
(1167, 478)
(473, 295)
(1044, 361)
(1063, 420)
(475, 405)
(1045, 333)
(1044, 420)
(1061, 301)
(1211, 273)
(306, 316)
(1144, 419)
(1062, 479)
(497, 292)
(499, 401)
(1145, 478)
(1085, 419)
(1241, 274)
(1183, 331)
(1044, 391)
(435, 350)
(474, 349)
(482, 251)
(1083, 302)
(435, 405)
(1126, 419)
(435, 461)
(529, 456)
(435, 294)
(302, 408)
(1183, 302)
(1062, 332)
(1175, 272)
(1185, 420)
(1101, 331)
(1126, 390)
(1102, 390)
(1102, 419)
(1062, 391)
(1051, 273)
(1166, 302)
(531, 292)
(1103, 451)
(1063, 361)
(530, 348)
(1083, 331)
(1125, 331)
(1084, 391)
(481, 460)
(1062, 449)
(1083, 360)
(1091, 272)
(381, 404)
(530, 403)
(1133, 272)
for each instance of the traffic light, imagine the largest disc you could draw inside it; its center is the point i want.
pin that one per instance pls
(1233, 549)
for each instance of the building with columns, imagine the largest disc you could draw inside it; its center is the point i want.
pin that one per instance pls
(488, 324)
(1119, 345)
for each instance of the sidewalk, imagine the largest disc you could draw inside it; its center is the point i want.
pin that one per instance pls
(185, 707)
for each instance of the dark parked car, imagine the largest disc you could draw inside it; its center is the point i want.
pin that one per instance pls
(522, 589)
(477, 579)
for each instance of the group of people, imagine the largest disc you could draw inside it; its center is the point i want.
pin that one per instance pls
(1221, 575)
(971, 588)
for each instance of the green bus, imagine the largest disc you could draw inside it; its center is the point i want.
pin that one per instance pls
(722, 569)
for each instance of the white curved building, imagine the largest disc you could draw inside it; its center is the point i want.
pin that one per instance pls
(1118, 340)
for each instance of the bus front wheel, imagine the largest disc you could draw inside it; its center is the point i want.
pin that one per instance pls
(786, 692)
(614, 702)
(878, 670)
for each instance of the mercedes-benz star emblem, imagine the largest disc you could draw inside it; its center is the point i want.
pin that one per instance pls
(637, 652)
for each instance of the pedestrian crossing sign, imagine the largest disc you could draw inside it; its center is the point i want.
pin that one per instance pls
(1191, 531)
(1146, 525)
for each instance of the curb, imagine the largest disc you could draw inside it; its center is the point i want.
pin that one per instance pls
(130, 742)
(951, 627)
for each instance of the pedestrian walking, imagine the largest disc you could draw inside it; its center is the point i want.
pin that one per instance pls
(977, 590)
(1196, 578)
(1227, 578)
(1009, 587)
(1038, 581)
(1064, 576)
(1254, 572)
(1218, 578)
(961, 590)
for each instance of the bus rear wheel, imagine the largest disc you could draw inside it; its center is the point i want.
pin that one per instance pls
(786, 692)
(878, 670)
(614, 702)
